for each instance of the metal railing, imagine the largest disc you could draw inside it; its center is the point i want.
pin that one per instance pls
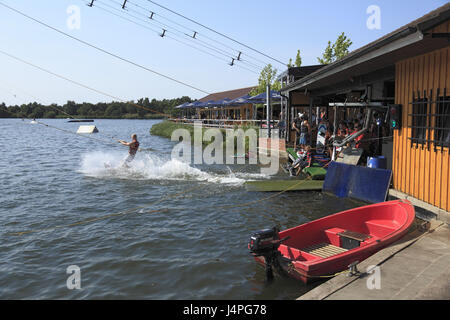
(227, 123)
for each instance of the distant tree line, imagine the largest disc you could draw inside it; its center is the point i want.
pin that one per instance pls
(107, 110)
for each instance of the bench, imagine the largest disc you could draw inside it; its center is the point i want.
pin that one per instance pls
(351, 239)
(346, 238)
(324, 250)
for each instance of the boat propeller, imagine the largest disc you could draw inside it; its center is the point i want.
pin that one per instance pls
(265, 243)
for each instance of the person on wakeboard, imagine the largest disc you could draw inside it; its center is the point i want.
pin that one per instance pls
(134, 147)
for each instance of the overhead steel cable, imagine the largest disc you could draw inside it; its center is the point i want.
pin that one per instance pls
(238, 53)
(203, 35)
(158, 32)
(103, 50)
(231, 55)
(49, 105)
(73, 117)
(78, 83)
(56, 108)
(168, 36)
(170, 30)
(217, 32)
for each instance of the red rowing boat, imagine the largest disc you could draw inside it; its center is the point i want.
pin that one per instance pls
(329, 245)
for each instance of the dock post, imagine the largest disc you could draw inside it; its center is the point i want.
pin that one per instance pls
(268, 111)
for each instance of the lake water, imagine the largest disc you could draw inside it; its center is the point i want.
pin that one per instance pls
(171, 240)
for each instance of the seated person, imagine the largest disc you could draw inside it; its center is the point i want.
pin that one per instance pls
(342, 130)
(300, 161)
(329, 140)
(309, 160)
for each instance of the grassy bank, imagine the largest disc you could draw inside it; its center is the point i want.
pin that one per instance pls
(165, 129)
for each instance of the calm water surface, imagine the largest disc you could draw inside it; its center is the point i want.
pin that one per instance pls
(192, 249)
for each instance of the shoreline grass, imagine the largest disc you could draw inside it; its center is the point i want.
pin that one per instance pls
(166, 128)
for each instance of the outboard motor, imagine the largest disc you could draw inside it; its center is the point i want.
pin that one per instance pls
(265, 243)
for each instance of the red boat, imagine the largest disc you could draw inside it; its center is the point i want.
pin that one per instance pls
(329, 245)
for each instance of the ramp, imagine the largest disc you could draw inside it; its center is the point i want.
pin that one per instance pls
(87, 129)
(367, 184)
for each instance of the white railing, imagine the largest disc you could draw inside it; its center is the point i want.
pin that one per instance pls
(225, 123)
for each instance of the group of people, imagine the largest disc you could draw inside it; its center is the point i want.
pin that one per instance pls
(369, 140)
(307, 155)
(317, 151)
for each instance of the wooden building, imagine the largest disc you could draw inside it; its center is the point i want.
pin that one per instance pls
(408, 67)
(233, 112)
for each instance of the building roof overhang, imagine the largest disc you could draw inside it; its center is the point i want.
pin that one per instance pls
(400, 44)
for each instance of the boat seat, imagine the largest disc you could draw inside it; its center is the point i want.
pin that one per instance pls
(352, 239)
(324, 250)
(354, 235)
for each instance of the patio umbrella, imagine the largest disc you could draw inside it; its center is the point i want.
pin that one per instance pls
(194, 104)
(261, 98)
(239, 101)
(218, 103)
(182, 105)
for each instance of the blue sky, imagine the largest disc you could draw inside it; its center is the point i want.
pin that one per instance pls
(277, 28)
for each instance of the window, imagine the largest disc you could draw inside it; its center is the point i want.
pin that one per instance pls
(430, 114)
(442, 127)
(419, 120)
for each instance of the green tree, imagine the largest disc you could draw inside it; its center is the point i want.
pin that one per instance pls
(113, 111)
(38, 111)
(267, 76)
(26, 109)
(336, 51)
(83, 110)
(4, 113)
(298, 59)
(290, 65)
(50, 115)
(70, 107)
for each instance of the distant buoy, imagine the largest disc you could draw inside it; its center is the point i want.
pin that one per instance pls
(87, 129)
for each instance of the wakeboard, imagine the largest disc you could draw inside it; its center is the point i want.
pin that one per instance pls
(321, 132)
